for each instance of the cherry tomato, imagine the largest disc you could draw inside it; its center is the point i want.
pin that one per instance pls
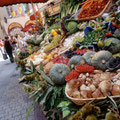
(118, 26)
(106, 34)
(110, 33)
(114, 24)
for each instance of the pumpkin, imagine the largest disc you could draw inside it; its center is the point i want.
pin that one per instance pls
(117, 32)
(88, 57)
(114, 48)
(58, 73)
(76, 60)
(100, 59)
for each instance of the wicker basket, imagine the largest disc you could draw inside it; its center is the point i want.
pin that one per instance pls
(106, 9)
(83, 101)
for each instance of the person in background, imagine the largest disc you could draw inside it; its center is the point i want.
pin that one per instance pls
(13, 42)
(1, 47)
(8, 48)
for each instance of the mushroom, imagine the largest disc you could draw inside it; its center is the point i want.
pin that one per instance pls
(105, 76)
(105, 87)
(115, 90)
(97, 93)
(76, 94)
(92, 88)
(98, 71)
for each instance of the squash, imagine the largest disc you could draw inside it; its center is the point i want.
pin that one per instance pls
(114, 48)
(88, 57)
(76, 60)
(117, 32)
(58, 73)
(100, 59)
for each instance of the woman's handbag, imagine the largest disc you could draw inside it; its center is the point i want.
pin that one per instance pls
(5, 56)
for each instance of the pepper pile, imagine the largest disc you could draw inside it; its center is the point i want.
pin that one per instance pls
(81, 51)
(84, 68)
(72, 75)
(60, 59)
(92, 8)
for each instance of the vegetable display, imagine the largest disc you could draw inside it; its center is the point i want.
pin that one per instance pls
(72, 69)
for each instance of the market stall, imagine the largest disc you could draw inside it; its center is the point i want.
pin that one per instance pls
(72, 69)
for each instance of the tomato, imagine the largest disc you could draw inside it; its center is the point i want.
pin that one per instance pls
(112, 15)
(110, 33)
(118, 26)
(106, 34)
(114, 24)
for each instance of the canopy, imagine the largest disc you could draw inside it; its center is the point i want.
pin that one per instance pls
(10, 2)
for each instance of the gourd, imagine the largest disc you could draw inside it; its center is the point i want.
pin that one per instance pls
(117, 32)
(114, 48)
(58, 73)
(76, 60)
(88, 57)
(100, 59)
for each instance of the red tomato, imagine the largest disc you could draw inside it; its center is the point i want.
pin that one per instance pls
(106, 34)
(110, 33)
(114, 24)
(118, 26)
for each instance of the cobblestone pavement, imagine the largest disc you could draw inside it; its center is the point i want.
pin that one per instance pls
(13, 100)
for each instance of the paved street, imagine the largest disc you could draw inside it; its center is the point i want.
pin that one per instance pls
(13, 99)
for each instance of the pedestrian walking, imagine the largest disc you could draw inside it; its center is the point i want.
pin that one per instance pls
(8, 49)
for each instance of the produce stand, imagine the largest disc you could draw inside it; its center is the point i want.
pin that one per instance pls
(75, 72)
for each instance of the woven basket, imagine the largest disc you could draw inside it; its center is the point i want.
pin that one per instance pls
(106, 9)
(83, 101)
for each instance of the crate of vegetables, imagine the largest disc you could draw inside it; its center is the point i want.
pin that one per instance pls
(83, 87)
(91, 9)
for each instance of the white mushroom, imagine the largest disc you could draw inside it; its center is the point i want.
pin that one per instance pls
(115, 90)
(105, 87)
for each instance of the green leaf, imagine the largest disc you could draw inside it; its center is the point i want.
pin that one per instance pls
(108, 43)
(45, 77)
(50, 118)
(49, 113)
(46, 94)
(64, 104)
(27, 73)
(30, 108)
(56, 115)
(66, 113)
(41, 66)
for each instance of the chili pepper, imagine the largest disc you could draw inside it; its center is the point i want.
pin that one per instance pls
(72, 75)
(84, 68)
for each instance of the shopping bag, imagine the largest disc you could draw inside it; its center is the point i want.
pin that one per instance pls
(5, 56)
